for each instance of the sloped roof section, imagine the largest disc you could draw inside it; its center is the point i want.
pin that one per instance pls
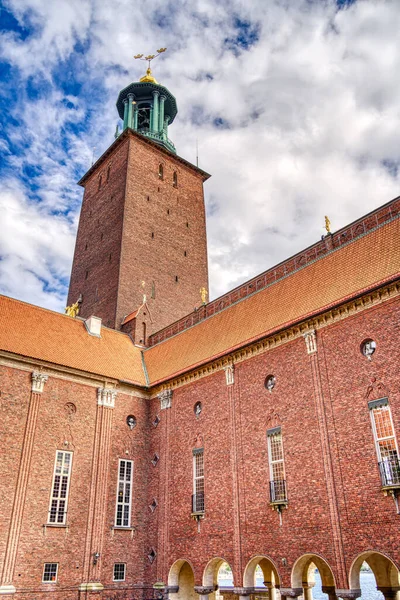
(52, 337)
(367, 262)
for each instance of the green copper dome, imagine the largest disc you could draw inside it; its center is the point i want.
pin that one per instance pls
(148, 108)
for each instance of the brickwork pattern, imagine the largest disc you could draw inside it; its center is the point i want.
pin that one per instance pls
(137, 227)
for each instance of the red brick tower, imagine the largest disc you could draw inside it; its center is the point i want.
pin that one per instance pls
(142, 226)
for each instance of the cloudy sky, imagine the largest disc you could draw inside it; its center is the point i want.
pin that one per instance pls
(295, 105)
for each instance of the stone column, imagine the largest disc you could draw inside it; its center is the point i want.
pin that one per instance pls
(155, 119)
(390, 593)
(125, 113)
(135, 116)
(243, 592)
(290, 592)
(204, 591)
(271, 590)
(6, 586)
(98, 491)
(307, 588)
(166, 121)
(131, 97)
(161, 114)
(330, 590)
(348, 594)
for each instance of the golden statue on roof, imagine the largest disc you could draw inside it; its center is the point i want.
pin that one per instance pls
(73, 310)
(149, 77)
(203, 294)
(327, 224)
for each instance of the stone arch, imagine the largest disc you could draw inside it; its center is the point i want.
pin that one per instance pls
(181, 576)
(270, 572)
(385, 571)
(210, 574)
(303, 575)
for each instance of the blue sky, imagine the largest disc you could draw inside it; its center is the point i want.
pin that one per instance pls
(295, 106)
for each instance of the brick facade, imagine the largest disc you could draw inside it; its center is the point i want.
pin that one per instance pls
(138, 227)
(336, 509)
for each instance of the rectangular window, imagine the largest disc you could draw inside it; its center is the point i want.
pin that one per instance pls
(50, 572)
(385, 442)
(124, 494)
(60, 488)
(198, 481)
(119, 572)
(277, 482)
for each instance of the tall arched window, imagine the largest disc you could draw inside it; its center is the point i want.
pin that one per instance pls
(175, 179)
(160, 171)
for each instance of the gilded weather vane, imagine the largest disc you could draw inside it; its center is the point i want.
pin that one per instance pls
(150, 57)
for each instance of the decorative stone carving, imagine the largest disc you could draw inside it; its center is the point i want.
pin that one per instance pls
(310, 339)
(376, 389)
(165, 399)
(291, 592)
(38, 381)
(106, 397)
(204, 590)
(229, 374)
(348, 594)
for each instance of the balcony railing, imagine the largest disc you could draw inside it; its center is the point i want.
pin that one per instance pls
(198, 503)
(390, 471)
(277, 491)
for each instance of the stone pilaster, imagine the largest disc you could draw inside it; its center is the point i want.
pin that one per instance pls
(321, 402)
(98, 491)
(230, 374)
(37, 387)
(390, 593)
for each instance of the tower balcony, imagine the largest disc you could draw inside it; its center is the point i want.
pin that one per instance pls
(160, 138)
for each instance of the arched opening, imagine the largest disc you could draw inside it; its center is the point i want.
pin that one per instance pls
(144, 117)
(181, 576)
(175, 179)
(160, 171)
(312, 571)
(384, 570)
(261, 573)
(217, 573)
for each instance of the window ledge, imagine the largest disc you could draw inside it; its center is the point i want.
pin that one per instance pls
(279, 505)
(198, 515)
(55, 526)
(388, 488)
(121, 528)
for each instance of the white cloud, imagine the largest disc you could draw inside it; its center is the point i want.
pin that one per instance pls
(311, 112)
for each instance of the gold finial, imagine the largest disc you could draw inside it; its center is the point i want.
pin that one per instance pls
(203, 294)
(73, 310)
(149, 77)
(327, 224)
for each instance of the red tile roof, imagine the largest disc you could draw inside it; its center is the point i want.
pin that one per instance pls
(49, 336)
(363, 264)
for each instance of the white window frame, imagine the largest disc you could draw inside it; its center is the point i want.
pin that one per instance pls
(270, 435)
(44, 569)
(388, 468)
(375, 433)
(124, 565)
(59, 498)
(198, 452)
(123, 504)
